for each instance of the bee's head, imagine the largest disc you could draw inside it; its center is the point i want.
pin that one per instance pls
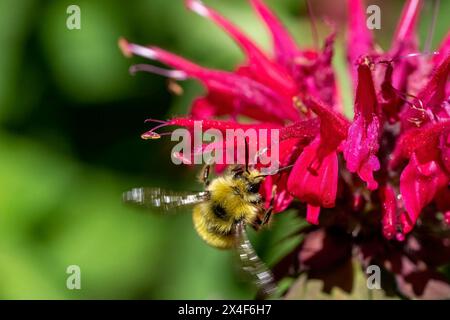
(249, 180)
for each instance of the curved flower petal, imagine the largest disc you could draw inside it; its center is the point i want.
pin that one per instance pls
(333, 126)
(315, 74)
(422, 141)
(444, 49)
(305, 131)
(312, 71)
(419, 183)
(315, 174)
(405, 42)
(289, 149)
(408, 21)
(362, 143)
(282, 198)
(359, 37)
(434, 94)
(285, 48)
(444, 146)
(315, 184)
(260, 65)
(221, 125)
(389, 98)
(389, 212)
(214, 104)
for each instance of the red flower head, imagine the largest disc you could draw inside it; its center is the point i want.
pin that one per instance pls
(378, 172)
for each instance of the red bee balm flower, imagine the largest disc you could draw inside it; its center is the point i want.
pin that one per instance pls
(391, 162)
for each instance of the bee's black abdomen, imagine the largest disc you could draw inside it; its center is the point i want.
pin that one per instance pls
(219, 211)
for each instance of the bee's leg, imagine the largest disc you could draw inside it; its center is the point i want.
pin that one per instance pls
(204, 175)
(267, 215)
(269, 210)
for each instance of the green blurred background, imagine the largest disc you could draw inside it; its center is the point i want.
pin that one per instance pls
(70, 123)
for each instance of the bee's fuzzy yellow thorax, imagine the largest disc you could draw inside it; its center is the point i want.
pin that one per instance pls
(234, 197)
(231, 194)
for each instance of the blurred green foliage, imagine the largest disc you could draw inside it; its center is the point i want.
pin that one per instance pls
(71, 117)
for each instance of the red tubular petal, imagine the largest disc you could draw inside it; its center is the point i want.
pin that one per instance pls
(220, 124)
(434, 94)
(422, 141)
(282, 197)
(419, 183)
(305, 130)
(366, 99)
(284, 46)
(444, 146)
(261, 66)
(288, 151)
(443, 51)
(389, 212)
(315, 185)
(312, 214)
(404, 43)
(324, 76)
(333, 126)
(315, 74)
(359, 37)
(216, 104)
(203, 108)
(406, 225)
(263, 138)
(390, 100)
(408, 21)
(362, 143)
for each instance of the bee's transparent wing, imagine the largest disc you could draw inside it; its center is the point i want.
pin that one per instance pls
(163, 199)
(252, 264)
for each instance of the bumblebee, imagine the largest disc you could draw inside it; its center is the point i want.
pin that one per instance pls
(221, 213)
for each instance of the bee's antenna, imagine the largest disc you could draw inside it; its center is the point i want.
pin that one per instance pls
(285, 168)
(246, 155)
(277, 171)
